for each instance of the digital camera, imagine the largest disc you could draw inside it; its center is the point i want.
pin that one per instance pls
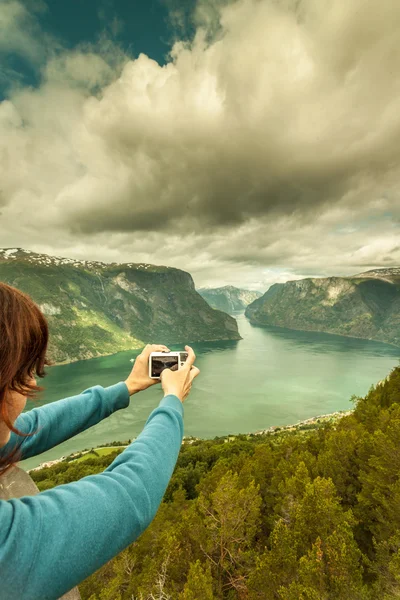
(158, 361)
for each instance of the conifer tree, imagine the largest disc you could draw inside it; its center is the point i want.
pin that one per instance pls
(231, 517)
(312, 549)
(199, 583)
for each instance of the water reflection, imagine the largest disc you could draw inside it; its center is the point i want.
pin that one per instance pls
(207, 347)
(326, 342)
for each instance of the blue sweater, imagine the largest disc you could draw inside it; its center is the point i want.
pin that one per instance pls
(54, 540)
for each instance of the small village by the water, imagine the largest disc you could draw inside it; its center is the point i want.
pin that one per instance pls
(306, 424)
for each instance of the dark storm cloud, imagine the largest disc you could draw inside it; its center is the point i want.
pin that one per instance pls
(229, 195)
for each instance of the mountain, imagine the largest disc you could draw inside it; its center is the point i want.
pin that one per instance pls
(95, 309)
(228, 298)
(365, 305)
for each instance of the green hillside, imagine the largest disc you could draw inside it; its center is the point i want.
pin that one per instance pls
(295, 515)
(366, 305)
(96, 309)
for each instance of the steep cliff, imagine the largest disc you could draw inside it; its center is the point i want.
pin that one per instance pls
(96, 308)
(228, 298)
(366, 305)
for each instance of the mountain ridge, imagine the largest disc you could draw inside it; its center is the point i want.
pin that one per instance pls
(228, 298)
(96, 309)
(365, 305)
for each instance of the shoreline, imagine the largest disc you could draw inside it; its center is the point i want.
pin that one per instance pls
(254, 323)
(344, 335)
(310, 423)
(75, 360)
(320, 419)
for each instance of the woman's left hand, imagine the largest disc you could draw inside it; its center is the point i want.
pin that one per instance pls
(138, 378)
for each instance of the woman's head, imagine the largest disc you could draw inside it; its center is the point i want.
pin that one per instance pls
(24, 337)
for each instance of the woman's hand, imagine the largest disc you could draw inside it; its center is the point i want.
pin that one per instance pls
(179, 382)
(139, 379)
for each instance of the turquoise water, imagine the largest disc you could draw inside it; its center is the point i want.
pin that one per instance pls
(270, 377)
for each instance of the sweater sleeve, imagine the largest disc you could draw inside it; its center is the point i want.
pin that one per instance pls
(62, 419)
(54, 540)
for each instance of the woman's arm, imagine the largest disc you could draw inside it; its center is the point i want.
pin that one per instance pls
(61, 420)
(54, 540)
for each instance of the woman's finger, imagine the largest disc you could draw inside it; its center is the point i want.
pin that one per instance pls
(153, 348)
(191, 357)
(194, 371)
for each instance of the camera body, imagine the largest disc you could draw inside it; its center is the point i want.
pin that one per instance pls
(158, 361)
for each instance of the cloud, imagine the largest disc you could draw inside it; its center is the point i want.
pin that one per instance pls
(261, 140)
(89, 65)
(18, 29)
(24, 46)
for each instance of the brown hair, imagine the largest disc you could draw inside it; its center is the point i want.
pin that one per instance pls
(24, 337)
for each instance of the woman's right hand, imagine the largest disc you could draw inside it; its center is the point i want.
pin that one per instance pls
(179, 382)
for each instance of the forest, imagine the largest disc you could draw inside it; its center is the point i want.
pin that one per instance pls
(299, 515)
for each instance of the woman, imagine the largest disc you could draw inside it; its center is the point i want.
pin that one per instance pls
(52, 540)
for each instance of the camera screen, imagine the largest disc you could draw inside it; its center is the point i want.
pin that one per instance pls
(159, 363)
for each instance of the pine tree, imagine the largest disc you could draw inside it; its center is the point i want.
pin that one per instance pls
(231, 517)
(199, 583)
(312, 549)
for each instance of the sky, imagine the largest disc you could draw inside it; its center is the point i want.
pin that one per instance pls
(247, 142)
